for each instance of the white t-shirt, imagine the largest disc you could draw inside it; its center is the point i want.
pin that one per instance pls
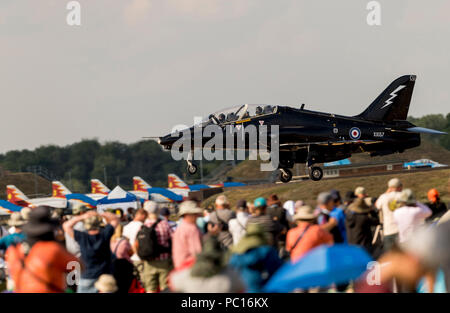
(237, 225)
(408, 218)
(130, 231)
(382, 203)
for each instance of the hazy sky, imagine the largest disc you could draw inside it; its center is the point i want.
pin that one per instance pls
(136, 68)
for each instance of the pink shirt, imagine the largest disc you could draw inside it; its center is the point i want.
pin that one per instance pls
(408, 218)
(186, 243)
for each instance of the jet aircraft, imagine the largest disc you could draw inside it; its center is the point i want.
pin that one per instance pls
(312, 137)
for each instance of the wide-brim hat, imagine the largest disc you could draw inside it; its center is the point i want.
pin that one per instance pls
(93, 222)
(40, 222)
(16, 220)
(304, 213)
(360, 206)
(106, 283)
(407, 197)
(189, 207)
(255, 237)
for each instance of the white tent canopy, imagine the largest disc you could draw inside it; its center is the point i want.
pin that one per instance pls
(118, 199)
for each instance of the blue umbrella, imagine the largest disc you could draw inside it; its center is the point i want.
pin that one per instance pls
(321, 267)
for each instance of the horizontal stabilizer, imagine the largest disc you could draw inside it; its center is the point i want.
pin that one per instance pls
(423, 130)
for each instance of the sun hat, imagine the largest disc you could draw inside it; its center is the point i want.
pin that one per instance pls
(304, 213)
(78, 209)
(255, 237)
(189, 207)
(151, 207)
(260, 202)
(16, 220)
(93, 222)
(360, 191)
(106, 283)
(40, 222)
(221, 200)
(360, 206)
(211, 260)
(407, 197)
(25, 212)
(394, 183)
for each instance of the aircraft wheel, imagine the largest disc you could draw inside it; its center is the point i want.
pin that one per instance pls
(192, 169)
(285, 176)
(316, 173)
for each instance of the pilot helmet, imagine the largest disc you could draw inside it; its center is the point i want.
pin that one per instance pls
(258, 110)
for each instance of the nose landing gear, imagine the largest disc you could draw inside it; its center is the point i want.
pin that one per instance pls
(191, 168)
(285, 175)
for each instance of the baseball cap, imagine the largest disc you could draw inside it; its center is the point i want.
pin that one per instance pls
(260, 202)
(394, 183)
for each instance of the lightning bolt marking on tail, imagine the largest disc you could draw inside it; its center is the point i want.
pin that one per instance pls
(393, 95)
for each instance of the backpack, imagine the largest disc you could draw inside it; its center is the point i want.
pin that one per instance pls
(148, 246)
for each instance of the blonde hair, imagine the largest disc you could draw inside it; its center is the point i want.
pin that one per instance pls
(117, 233)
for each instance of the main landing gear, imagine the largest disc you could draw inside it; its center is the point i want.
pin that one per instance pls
(315, 173)
(191, 168)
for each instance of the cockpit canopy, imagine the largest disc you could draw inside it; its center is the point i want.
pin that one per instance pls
(239, 112)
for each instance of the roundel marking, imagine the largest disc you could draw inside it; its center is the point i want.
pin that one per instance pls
(355, 133)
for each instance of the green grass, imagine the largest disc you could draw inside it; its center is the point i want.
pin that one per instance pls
(419, 182)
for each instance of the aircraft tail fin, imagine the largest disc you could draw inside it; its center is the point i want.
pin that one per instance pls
(139, 184)
(59, 190)
(176, 182)
(16, 196)
(393, 102)
(98, 187)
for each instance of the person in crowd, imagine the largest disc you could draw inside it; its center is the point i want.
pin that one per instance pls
(289, 206)
(106, 283)
(329, 222)
(409, 215)
(360, 219)
(131, 230)
(165, 213)
(218, 221)
(237, 225)
(71, 245)
(436, 205)
(15, 220)
(271, 227)
(94, 246)
(307, 235)
(122, 266)
(276, 211)
(40, 263)
(210, 273)
(254, 258)
(338, 213)
(419, 264)
(386, 205)
(348, 199)
(157, 268)
(187, 238)
(120, 245)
